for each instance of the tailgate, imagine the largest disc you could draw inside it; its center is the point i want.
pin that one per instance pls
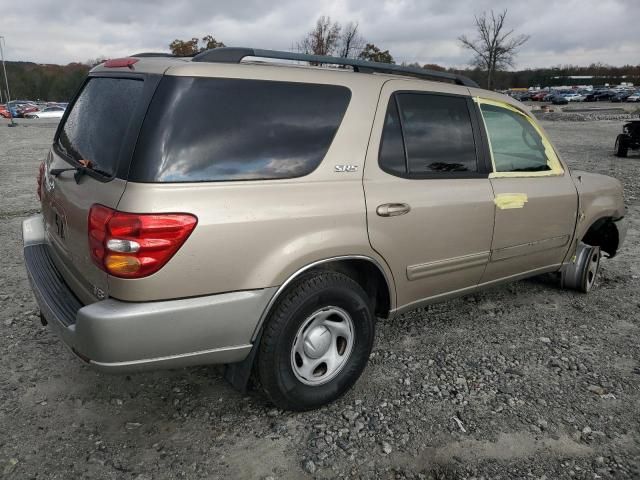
(100, 131)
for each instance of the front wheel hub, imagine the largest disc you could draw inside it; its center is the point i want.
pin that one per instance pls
(317, 342)
(322, 346)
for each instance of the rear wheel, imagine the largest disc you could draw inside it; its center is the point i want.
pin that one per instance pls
(582, 272)
(621, 148)
(316, 342)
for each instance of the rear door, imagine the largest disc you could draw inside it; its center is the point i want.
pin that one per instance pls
(100, 131)
(429, 200)
(536, 200)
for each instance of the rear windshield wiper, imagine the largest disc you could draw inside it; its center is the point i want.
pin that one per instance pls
(80, 171)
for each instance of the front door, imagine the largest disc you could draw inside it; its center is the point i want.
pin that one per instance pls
(429, 200)
(536, 200)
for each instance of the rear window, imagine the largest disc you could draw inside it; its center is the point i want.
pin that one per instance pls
(203, 129)
(99, 121)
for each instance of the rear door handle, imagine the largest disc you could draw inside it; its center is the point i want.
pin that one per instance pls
(392, 209)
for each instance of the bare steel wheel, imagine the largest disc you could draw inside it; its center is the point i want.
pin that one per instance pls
(580, 274)
(322, 346)
(592, 268)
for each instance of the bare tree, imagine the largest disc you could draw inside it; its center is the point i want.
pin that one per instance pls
(495, 47)
(351, 42)
(324, 39)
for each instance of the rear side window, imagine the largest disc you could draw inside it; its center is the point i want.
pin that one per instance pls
(433, 133)
(203, 129)
(392, 153)
(99, 120)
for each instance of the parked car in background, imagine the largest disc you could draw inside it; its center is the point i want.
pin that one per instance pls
(26, 109)
(549, 96)
(48, 112)
(591, 96)
(573, 97)
(4, 113)
(634, 97)
(539, 96)
(606, 95)
(621, 97)
(559, 100)
(15, 105)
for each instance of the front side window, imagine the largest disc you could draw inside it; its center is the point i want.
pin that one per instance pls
(223, 129)
(516, 144)
(426, 135)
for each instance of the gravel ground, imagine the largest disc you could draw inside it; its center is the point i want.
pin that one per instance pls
(521, 381)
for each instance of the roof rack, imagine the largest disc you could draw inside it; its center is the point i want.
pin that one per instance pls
(153, 54)
(236, 54)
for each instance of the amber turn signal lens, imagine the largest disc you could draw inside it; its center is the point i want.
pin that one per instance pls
(122, 264)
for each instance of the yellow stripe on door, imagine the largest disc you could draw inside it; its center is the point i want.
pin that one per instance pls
(506, 201)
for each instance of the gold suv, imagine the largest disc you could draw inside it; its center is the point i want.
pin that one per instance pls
(262, 215)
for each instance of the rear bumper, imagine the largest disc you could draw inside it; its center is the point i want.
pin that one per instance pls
(124, 336)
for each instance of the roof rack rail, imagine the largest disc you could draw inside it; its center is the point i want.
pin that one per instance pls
(236, 54)
(153, 54)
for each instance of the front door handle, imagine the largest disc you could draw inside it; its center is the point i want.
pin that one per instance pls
(392, 209)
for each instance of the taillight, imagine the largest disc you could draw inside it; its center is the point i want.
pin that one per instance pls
(134, 245)
(40, 178)
(120, 62)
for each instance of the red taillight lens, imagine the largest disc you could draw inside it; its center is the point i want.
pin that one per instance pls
(132, 245)
(120, 62)
(40, 178)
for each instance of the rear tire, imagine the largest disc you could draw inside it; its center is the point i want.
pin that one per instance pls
(317, 341)
(621, 148)
(582, 272)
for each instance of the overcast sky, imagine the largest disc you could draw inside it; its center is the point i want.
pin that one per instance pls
(562, 31)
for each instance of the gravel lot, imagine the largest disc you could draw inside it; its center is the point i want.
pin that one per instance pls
(521, 381)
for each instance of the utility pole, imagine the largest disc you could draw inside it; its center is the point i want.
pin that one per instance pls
(6, 82)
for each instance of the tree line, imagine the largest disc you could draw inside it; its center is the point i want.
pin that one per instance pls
(326, 38)
(58, 83)
(32, 81)
(493, 49)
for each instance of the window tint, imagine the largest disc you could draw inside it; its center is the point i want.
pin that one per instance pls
(437, 132)
(392, 157)
(203, 129)
(515, 144)
(99, 120)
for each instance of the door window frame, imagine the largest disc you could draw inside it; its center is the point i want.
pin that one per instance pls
(553, 161)
(483, 161)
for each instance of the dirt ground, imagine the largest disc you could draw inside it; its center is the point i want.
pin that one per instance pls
(522, 381)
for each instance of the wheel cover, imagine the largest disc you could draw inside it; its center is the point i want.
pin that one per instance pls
(322, 346)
